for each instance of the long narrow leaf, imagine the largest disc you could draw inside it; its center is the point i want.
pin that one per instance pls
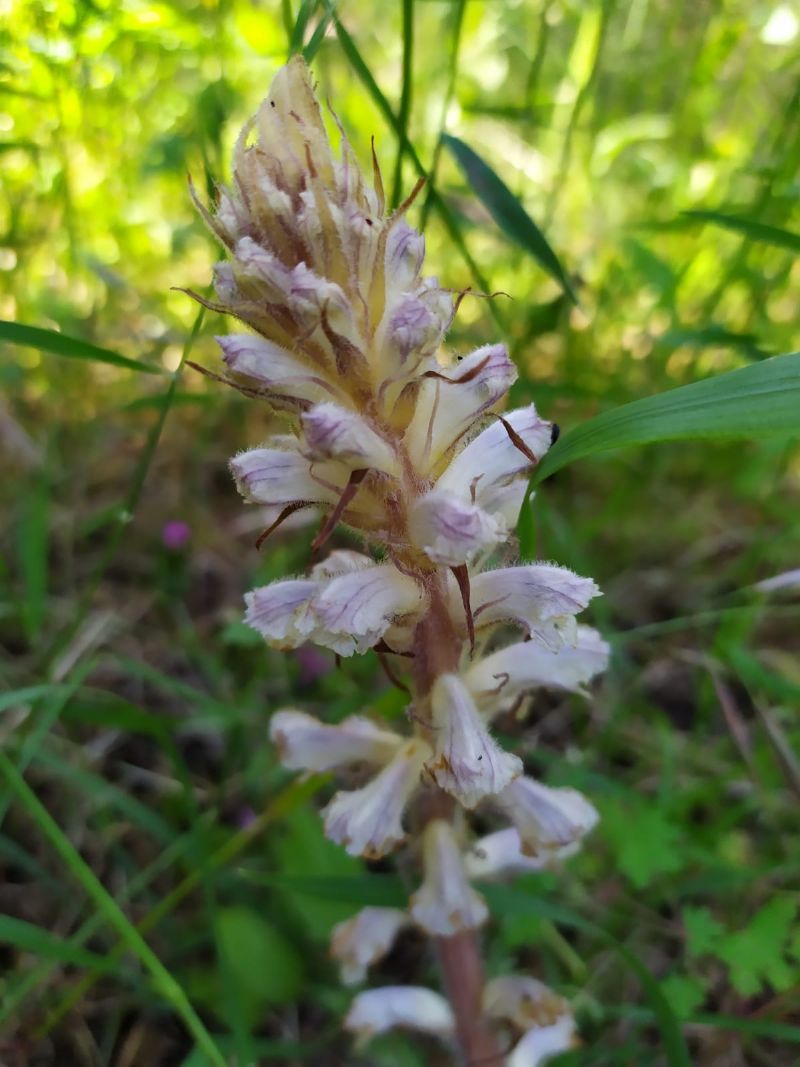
(756, 231)
(29, 938)
(507, 211)
(59, 344)
(756, 401)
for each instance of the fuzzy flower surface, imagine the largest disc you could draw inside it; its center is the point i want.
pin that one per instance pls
(408, 445)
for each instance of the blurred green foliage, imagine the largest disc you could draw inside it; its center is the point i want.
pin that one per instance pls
(655, 145)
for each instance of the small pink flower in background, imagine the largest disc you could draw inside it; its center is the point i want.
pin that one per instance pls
(175, 535)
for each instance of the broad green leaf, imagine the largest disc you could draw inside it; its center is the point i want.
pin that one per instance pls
(755, 401)
(756, 231)
(702, 931)
(262, 965)
(507, 211)
(646, 841)
(17, 333)
(757, 954)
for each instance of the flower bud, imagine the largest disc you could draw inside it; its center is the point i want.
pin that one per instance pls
(445, 903)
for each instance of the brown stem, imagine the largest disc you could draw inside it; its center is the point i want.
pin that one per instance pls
(462, 968)
(436, 651)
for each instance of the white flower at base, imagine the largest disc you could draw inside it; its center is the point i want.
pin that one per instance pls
(368, 821)
(451, 531)
(499, 855)
(359, 942)
(547, 818)
(467, 763)
(542, 1043)
(445, 903)
(306, 744)
(500, 678)
(378, 1010)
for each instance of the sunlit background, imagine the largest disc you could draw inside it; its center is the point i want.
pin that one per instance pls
(136, 702)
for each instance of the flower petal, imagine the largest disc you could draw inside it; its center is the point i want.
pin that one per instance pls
(499, 855)
(364, 939)
(492, 458)
(333, 432)
(275, 476)
(500, 678)
(528, 595)
(449, 403)
(368, 821)
(451, 531)
(306, 744)
(542, 1043)
(547, 818)
(377, 1010)
(280, 611)
(354, 610)
(467, 763)
(274, 367)
(445, 903)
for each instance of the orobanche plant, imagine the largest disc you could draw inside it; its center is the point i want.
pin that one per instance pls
(403, 443)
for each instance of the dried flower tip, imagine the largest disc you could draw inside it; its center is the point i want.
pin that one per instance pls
(306, 744)
(445, 903)
(377, 1010)
(524, 1001)
(499, 679)
(499, 855)
(547, 818)
(359, 942)
(467, 761)
(368, 821)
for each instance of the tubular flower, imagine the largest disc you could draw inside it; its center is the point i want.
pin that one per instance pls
(403, 443)
(359, 942)
(445, 903)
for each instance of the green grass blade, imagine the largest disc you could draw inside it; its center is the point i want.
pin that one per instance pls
(17, 333)
(756, 231)
(29, 938)
(304, 13)
(756, 401)
(507, 211)
(105, 903)
(404, 111)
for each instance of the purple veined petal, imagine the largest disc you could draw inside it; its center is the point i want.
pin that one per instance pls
(445, 903)
(451, 531)
(547, 818)
(467, 762)
(492, 458)
(450, 403)
(280, 611)
(335, 433)
(355, 610)
(365, 939)
(275, 368)
(529, 595)
(377, 1010)
(405, 252)
(498, 680)
(499, 855)
(341, 561)
(274, 476)
(369, 821)
(306, 744)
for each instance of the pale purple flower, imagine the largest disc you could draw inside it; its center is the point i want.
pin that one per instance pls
(306, 744)
(377, 1010)
(445, 903)
(175, 535)
(365, 939)
(547, 818)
